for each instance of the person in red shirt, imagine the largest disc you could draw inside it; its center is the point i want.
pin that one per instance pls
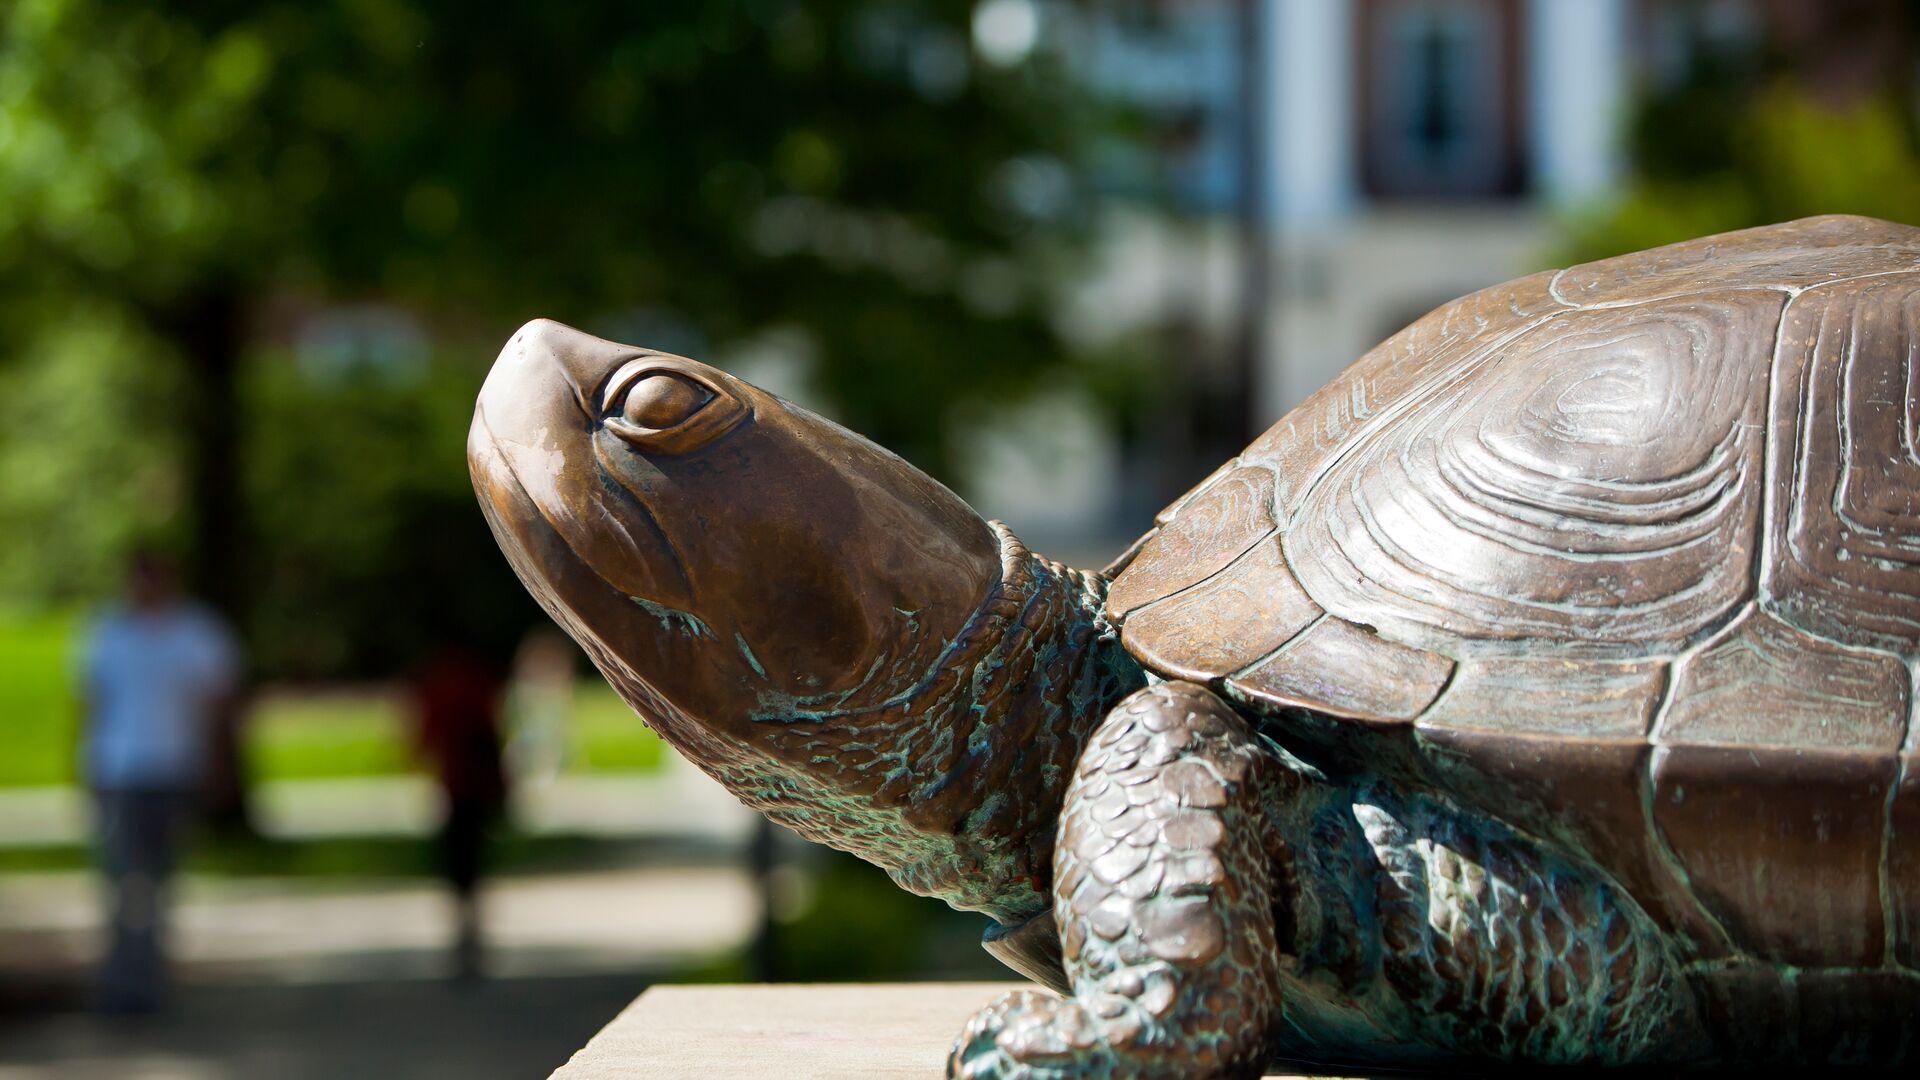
(456, 708)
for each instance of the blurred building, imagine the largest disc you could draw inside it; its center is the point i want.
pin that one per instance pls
(1410, 150)
(1405, 152)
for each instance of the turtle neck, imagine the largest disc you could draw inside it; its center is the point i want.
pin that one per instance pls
(955, 786)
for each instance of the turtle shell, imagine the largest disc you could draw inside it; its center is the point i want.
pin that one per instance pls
(1626, 554)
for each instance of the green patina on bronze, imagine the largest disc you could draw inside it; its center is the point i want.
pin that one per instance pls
(1539, 691)
(673, 620)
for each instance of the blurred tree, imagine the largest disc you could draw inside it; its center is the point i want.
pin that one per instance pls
(1816, 115)
(845, 172)
(372, 542)
(75, 491)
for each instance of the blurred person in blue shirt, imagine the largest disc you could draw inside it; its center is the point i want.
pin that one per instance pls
(156, 671)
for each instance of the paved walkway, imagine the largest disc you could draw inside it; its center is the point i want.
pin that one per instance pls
(418, 1029)
(307, 930)
(338, 977)
(295, 978)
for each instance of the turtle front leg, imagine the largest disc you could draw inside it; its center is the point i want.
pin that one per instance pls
(1163, 893)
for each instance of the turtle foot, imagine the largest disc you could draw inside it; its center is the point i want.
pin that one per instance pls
(1032, 1035)
(1164, 903)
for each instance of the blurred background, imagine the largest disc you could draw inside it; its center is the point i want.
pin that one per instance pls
(1068, 256)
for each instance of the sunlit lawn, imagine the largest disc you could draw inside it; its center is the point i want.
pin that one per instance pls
(303, 736)
(36, 700)
(364, 734)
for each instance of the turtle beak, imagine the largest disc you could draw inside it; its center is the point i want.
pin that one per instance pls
(531, 452)
(553, 356)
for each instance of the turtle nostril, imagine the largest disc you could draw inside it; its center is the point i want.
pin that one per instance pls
(582, 357)
(538, 336)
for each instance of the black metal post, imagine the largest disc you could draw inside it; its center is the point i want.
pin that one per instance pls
(1241, 413)
(763, 955)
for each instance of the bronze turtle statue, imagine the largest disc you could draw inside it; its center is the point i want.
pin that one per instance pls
(1539, 691)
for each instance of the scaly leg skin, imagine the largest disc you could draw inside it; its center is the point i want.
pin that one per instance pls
(1501, 949)
(1163, 893)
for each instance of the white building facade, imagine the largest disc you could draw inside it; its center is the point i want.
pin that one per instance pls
(1408, 152)
(1419, 149)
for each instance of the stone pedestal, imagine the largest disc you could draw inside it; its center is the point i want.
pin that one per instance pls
(789, 1032)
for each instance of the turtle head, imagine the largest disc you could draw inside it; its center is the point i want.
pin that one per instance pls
(728, 559)
(824, 628)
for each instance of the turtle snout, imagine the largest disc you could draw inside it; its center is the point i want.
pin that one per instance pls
(543, 349)
(543, 339)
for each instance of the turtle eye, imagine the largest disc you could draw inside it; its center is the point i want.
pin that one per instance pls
(667, 405)
(662, 400)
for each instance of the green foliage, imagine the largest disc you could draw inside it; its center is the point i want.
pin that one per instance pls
(842, 173)
(860, 926)
(843, 167)
(855, 925)
(88, 457)
(1781, 155)
(368, 538)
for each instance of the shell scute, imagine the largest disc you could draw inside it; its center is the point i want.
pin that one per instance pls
(1551, 695)
(1432, 348)
(1761, 682)
(1322, 669)
(1218, 524)
(1843, 557)
(1591, 489)
(1793, 255)
(1819, 817)
(1786, 744)
(1223, 624)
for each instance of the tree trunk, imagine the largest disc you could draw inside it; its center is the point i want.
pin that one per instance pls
(206, 329)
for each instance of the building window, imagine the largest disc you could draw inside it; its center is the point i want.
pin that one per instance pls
(1439, 100)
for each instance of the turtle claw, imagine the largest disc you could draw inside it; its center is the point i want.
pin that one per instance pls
(1163, 903)
(1031, 1035)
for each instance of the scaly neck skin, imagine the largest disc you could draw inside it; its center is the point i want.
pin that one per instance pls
(956, 789)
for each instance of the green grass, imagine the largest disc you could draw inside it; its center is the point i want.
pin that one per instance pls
(608, 737)
(36, 700)
(289, 737)
(330, 735)
(335, 735)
